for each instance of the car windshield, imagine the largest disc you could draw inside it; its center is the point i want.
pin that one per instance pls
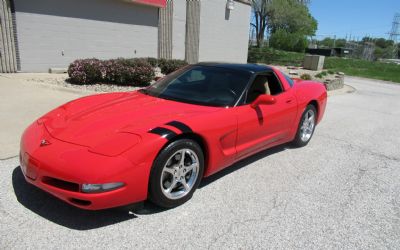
(204, 85)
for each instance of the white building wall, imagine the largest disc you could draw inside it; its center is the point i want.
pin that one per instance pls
(179, 29)
(224, 36)
(53, 33)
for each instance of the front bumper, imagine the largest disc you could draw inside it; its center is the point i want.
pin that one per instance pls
(60, 168)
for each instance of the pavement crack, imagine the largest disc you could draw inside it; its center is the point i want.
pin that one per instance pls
(243, 222)
(8, 158)
(363, 150)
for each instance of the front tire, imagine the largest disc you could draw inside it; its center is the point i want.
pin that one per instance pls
(176, 173)
(306, 126)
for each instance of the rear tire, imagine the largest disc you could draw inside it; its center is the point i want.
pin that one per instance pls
(174, 179)
(306, 126)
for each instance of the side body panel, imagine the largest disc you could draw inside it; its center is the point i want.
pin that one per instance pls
(307, 92)
(261, 126)
(219, 131)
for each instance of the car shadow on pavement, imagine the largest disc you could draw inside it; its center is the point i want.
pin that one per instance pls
(61, 213)
(243, 163)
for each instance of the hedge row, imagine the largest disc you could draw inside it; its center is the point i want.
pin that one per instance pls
(167, 66)
(273, 56)
(136, 71)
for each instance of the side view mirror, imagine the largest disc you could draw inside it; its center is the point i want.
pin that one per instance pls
(263, 99)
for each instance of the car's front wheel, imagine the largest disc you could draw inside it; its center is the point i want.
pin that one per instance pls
(306, 126)
(176, 173)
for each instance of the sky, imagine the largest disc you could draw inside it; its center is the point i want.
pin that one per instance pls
(357, 18)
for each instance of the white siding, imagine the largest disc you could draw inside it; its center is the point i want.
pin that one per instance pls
(223, 39)
(179, 29)
(83, 29)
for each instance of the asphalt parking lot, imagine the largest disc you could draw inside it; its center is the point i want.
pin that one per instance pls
(341, 191)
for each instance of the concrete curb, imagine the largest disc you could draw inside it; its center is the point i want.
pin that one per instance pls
(375, 80)
(347, 89)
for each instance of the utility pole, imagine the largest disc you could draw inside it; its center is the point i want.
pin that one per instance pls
(395, 34)
(334, 41)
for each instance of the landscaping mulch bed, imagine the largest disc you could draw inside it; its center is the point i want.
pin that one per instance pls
(61, 80)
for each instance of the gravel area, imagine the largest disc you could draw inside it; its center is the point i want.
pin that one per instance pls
(296, 72)
(60, 80)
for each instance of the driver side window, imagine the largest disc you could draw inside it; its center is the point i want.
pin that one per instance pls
(264, 84)
(259, 87)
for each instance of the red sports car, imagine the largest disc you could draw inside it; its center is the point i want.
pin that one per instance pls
(157, 143)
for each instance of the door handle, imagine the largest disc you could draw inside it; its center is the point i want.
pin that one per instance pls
(289, 100)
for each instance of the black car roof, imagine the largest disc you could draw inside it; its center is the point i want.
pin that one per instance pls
(249, 67)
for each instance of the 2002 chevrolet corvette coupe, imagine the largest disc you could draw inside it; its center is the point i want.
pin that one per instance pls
(157, 143)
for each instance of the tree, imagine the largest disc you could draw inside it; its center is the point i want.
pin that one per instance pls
(366, 39)
(329, 42)
(383, 43)
(326, 42)
(384, 53)
(261, 16)
(283, 40)
(289, 15)
(340, 43)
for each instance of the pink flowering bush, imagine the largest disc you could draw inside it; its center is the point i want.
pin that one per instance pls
(134, 72)
(166, 65)
(86, 71)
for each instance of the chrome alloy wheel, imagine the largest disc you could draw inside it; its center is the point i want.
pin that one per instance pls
(179, 174)
(307, 127)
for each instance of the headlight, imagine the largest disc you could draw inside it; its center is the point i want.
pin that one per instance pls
(99, 188)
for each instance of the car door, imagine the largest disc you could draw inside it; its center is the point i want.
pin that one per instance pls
(265, 124)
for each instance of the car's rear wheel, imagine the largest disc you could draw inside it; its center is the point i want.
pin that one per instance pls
(176, 173)
(306, 126)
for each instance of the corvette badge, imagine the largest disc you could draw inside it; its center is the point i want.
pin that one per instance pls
(44, 142)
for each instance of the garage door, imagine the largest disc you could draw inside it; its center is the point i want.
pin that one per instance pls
(53, 33)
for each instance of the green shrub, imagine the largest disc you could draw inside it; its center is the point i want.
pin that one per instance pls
(331, 72)
(168, 66)
(305, 77)
(272, 56)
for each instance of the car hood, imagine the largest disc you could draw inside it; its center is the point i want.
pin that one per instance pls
(87, 121)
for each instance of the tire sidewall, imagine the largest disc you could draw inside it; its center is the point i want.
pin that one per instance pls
(155, 193)
(298, 141)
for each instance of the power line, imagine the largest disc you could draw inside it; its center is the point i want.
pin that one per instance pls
(395, 34)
